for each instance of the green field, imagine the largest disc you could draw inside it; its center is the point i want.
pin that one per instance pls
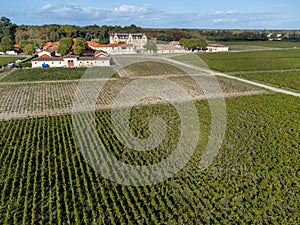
(50, 74)
(254, 179)
(286, 79)
(152, 68)
(9, 59)
(253, 61)
(270, 44)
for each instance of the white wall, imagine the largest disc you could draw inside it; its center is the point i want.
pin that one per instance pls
(94, 62)
(120, 50)
(217, 49)
(77, 63)
(38, 64)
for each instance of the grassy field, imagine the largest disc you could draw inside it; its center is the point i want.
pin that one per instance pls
(9, 59)
(269, 44)
(152, 68)
(287, 79)
(254, 179)
(253, 61)
(50, 74)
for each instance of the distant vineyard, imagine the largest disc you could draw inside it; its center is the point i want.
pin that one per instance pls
(253, 61)
(254, 179)
(270, 44)
(152, 68)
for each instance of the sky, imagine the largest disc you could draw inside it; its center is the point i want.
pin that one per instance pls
(210, 14)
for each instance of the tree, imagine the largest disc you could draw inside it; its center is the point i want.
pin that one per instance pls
(203, 44)
(7, 29)
(65, 45)
(23, 43)
(54, 35)
(182, 42)
(6, 44)
(151, 46)
(104, 35)
(29, 49)
(80, 46)
(68, 31)
(193, 43)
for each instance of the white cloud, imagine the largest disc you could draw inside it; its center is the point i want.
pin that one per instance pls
(131, 9)
(148, 16)
(45, 7)
(225, 20)
(85, 14)
(228, 12)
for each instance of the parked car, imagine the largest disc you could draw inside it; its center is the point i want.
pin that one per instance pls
(44, 65)
(11, 65)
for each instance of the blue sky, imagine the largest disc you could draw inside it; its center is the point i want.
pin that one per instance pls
(214, 14)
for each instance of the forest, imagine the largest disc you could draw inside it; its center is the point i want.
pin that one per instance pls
(11, 33)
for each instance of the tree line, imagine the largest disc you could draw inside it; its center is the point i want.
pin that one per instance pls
(36, 36)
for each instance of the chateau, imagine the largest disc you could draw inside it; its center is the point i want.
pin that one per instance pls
(138, 40)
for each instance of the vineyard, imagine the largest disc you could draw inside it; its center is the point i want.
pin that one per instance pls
(285, 79)
(50, 74)
(269, 44)
(22, 100)
(152, 68)
(253, 61)
(47, 178)
(254, 179)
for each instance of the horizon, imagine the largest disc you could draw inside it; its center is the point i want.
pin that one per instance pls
(226, 15)
(160, 28)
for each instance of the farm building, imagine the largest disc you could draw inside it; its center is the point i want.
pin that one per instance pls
(112, 49)
(217, 48)
(275, 37)
(172, 47)
(100, 58)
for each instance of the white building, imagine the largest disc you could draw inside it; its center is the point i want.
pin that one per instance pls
(170, 48)
(275, 37)
(112, 49)
(217, 48)
(11, 52)
(137, 39)
(100, 59)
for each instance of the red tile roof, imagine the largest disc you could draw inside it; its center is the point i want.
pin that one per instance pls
(48, 59)
(96, 45)
(45, 56)
(51, 45)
